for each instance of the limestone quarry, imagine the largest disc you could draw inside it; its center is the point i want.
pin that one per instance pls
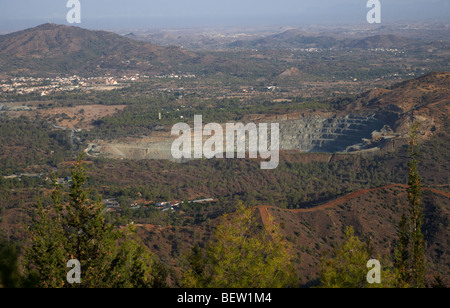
(378, 120)
(325, 133)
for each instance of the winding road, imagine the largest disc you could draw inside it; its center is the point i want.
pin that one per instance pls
(265, 214)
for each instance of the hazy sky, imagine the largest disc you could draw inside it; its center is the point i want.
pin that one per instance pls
(19, 14)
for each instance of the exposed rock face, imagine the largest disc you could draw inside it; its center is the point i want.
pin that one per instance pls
(149, 148)
(310, 133)
(378, 119)
(330, 135)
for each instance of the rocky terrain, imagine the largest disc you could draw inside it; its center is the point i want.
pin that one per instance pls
(374, 121)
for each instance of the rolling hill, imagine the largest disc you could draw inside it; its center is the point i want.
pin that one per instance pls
(294, 39)
(425, 100)
(382, 41)
(374, 213)
(52, 49)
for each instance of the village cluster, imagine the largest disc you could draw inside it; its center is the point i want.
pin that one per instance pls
(113, 204)
(46, 86)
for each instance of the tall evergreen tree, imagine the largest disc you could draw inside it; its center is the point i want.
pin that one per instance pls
(410, 251)
(416, 215)
(77, 230)
(401, 254)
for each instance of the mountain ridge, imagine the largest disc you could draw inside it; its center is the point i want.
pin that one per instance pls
(298, 39)
(382, 41)
(55, 49)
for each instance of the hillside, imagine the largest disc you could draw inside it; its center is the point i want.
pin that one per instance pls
(300, 40)
(374, 213)
(52, 49)
(382, 41)
(425, 99)
(313, 233)
(286, 40)
(313, 194)
(296, 39)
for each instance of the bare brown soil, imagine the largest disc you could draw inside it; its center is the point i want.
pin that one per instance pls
(264, 210)
(79, 117)
(374, 214)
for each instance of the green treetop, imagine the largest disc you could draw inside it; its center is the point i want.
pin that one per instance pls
(242, 255)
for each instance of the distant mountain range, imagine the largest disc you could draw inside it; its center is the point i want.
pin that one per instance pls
(296, 39)
(382, 41)
(52, 49)
(286, 40)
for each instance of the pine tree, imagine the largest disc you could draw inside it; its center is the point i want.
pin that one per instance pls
(77, 230)
(416, 217)
(242, 256)
(401, 255)
(347, 267)
(410, 250)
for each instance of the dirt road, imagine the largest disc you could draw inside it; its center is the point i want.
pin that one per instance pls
(265, 213)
